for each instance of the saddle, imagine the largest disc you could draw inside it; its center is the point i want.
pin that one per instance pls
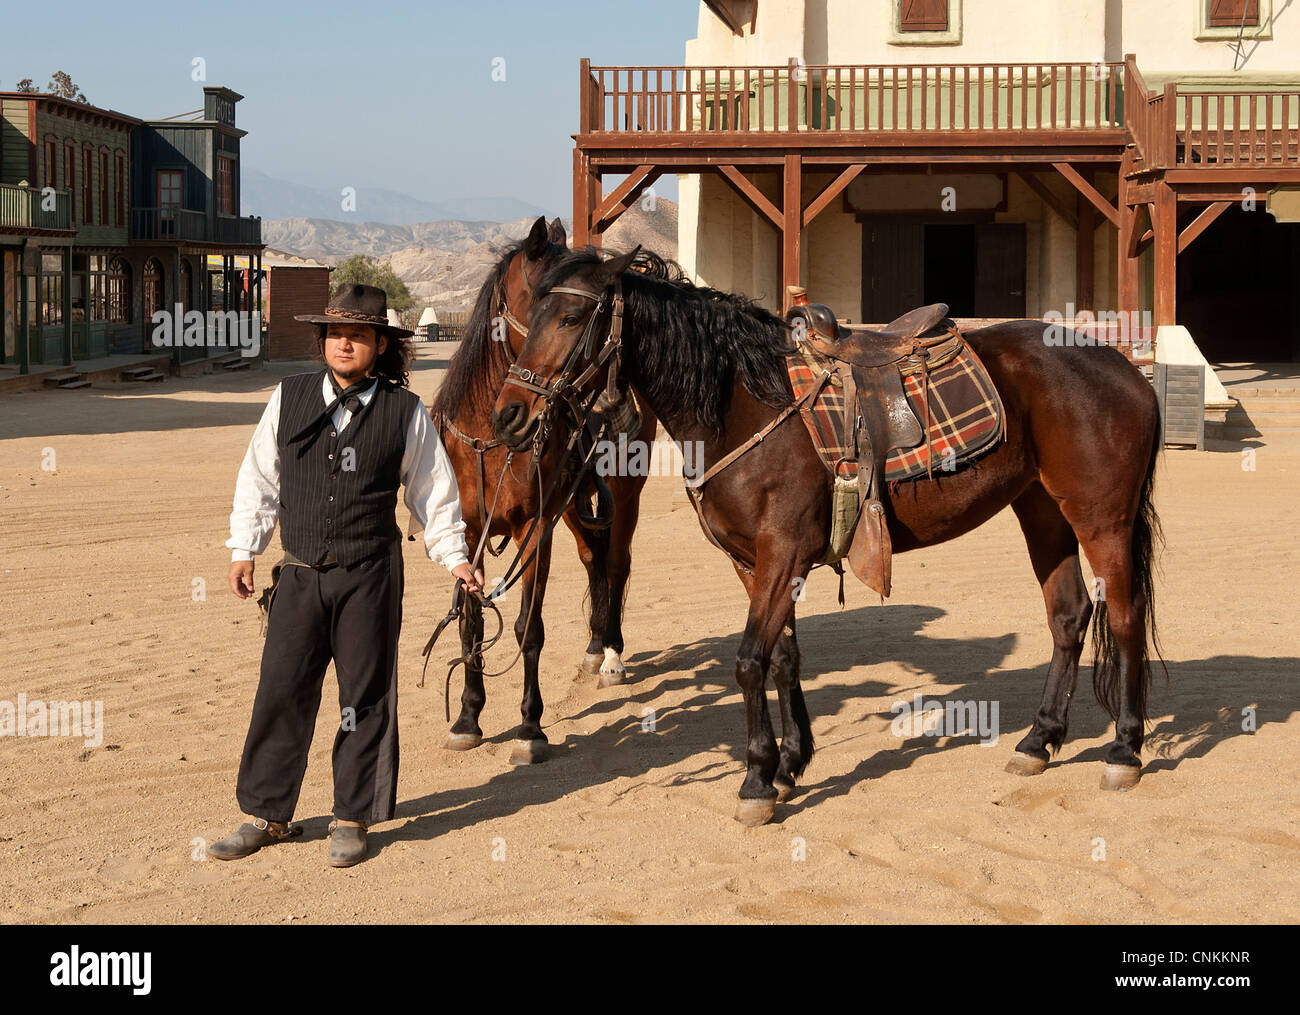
(871, 366)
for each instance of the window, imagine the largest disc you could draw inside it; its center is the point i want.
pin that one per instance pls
(153, 288)
(119, 291)
(51, 163)
(923, 16)
(119, 193)
(925, 23)
(103, 187)
(51, 288)
(169, 191)
(77, 286)
(225, 185)
(98, 287)
(1232, 14)
(69, 178)
(1227, 20)
(86, 192)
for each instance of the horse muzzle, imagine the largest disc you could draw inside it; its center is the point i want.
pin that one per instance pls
(513, 425)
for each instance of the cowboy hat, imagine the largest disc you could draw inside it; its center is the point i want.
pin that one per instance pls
(358, 304)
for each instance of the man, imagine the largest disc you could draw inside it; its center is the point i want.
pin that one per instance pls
(325, 463)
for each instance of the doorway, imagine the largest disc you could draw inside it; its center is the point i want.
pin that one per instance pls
(1239, 288)
(975, 266)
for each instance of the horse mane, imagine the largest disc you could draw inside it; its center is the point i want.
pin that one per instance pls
(692, 343)
(477, 367)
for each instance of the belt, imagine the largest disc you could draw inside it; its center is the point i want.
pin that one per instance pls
(324, 564)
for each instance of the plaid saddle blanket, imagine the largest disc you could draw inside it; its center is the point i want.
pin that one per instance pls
(966, 415)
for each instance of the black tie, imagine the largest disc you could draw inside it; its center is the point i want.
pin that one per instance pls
(349, 398)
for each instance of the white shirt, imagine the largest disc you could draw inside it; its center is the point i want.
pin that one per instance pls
(429, 483)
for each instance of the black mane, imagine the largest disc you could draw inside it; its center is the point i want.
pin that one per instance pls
(477, 368)
(688, 344)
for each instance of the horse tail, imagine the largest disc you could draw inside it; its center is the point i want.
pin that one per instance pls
(1147, 539)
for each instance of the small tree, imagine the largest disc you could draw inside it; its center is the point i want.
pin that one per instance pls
(61, 85)
(361, 270)
(25, 85)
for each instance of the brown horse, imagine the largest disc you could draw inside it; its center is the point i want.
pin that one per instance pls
(462, 411)
(1075, 466)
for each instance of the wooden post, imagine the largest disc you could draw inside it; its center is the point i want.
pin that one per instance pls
(581, 210)
(1126, 267)
(1086, 217)
(1165, 224)
(67, 306)
(24, 318)
(791, 232)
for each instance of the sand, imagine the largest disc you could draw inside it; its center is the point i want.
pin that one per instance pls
(113, 589)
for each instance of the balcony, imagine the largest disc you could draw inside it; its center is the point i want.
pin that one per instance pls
(26, 209)
(886, 105)
(188, 226)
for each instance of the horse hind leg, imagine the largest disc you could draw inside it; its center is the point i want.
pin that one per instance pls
(796, 729)
(1054, 552)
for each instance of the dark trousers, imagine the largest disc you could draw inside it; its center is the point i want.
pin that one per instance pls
(353, 616)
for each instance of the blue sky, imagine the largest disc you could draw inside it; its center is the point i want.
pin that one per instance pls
(357, 94)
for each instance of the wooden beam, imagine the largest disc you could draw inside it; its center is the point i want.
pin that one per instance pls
(622, 197)
(792, 229)
(1166, 251)
(581, 210)
(1127, 264)
(719, 7)
(1088, 190)
(1048, 198)
(833, 189)
(753, 196)
(1139, 229)
(1201, 223)
(1084, 274)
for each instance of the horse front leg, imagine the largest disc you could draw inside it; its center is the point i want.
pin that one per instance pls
(593, 551)
(771, 607)
(530, 746)
(627, 500)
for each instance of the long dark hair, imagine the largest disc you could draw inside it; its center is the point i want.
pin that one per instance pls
(690, 343)
(392, 365)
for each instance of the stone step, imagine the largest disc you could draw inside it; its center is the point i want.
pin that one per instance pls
(239, 364)
(77, 383)
(152, 375)
(135, 373)
(60, 378)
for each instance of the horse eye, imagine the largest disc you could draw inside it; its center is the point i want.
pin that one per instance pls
(568, 321)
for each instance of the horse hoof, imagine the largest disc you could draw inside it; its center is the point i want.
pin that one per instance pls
(784, 790)
(463, 741)
(612, 678)
(1026, 764)
(591, 663)
(752, 813)
(528, 752)
(1120, 777)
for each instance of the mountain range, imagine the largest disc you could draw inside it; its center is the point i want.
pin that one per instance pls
(272, 198)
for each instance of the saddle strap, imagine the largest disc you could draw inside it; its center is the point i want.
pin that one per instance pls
(735, 453)
(480, 447)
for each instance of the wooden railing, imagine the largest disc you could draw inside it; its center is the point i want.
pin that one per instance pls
(28, 208)
(185, 224)
(852, 98)
(1238, 128)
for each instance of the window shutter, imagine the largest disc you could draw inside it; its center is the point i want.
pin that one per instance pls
(1228, 13)
(923, 16)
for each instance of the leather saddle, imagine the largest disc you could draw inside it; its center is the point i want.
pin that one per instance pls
(878, 416)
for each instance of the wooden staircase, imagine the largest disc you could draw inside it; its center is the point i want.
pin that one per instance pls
(143, 374)
(69, 380)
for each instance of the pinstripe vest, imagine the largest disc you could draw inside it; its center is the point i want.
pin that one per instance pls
(338, 490)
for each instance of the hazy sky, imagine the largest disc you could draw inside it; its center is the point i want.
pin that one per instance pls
(363, 94)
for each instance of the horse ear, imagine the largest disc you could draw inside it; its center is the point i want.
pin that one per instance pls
(535, 245)
(615, 266)
(557, 234)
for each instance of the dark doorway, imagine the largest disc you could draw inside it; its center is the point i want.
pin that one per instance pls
(1238, 288)
(977, 268)
(950, 268)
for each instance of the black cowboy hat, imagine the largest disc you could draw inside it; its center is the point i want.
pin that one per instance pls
(358, 304)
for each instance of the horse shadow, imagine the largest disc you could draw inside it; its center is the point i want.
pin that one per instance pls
(698, 674)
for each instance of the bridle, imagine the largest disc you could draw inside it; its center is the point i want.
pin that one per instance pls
(570, 394)
(565, 391)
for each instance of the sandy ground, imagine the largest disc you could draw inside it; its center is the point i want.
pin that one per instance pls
(100, 558)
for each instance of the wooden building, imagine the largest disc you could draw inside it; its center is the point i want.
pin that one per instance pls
(1044, 157)
(105, 218)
